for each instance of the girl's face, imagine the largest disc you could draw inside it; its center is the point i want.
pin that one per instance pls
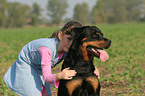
(65, 42)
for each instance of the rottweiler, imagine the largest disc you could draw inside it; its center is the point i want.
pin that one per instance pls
(88, 41)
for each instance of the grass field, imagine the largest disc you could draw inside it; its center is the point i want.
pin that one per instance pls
(122, 75)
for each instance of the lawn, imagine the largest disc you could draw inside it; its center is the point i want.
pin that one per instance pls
(122, 75)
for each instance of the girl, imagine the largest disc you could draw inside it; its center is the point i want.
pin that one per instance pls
(30, 74)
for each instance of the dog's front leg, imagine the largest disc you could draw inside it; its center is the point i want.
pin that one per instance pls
(62, 90)
(93, 80)
(72, 85)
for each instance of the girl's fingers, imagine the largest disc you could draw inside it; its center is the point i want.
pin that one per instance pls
(96, 68)
(68, 74)
(69, 78)
(71, 73)
(98, 77)
(97, 72)
(67, 68)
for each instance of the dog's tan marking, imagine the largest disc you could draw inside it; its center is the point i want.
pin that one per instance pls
(72, 85)
(84, 39)
(85, 54)
(98, 44)
(93, 81)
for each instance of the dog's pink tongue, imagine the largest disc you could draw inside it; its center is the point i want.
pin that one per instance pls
(103, 55)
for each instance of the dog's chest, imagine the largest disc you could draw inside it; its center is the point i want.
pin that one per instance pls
(91, 81)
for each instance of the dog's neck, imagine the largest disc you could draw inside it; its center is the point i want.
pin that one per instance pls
(77, 62)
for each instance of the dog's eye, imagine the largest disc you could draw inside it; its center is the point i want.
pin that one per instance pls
(95, 35)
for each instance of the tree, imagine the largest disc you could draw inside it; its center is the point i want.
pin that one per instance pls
(35, 13)
(133, 9)
(81, 12)
(16, 14)
(77, 11)
(3, 5)
(99, 12)
(56, 10)
(142, 18)
(115, 10)
(111, 11)
(124, 10)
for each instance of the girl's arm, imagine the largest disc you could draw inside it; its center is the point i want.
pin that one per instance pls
(50, 78)
(46, 57)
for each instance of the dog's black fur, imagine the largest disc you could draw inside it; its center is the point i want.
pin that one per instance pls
(80, 58)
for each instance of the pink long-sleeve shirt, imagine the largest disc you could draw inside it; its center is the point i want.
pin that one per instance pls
(46, 56)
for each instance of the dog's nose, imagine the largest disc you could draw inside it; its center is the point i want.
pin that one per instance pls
(109, 41)
(108, 44)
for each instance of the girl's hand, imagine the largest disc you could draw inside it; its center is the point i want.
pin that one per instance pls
(67, 74)
(96, 72)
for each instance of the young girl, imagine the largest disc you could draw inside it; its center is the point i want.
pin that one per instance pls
(30, 74)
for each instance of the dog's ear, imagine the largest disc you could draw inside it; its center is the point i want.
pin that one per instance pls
(75, 32)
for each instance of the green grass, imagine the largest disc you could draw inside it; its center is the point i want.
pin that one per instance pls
(122, 75)
(11, 42)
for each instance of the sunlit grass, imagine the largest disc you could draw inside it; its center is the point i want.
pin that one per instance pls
(122, 75)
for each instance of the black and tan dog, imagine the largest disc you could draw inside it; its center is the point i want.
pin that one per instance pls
(88, 41)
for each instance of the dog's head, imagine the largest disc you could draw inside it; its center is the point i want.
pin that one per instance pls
(90, 40)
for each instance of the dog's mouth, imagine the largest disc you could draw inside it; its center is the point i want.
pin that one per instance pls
(98, 52)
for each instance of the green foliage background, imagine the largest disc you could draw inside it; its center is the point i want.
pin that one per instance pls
(122, 75)
(17, 14)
